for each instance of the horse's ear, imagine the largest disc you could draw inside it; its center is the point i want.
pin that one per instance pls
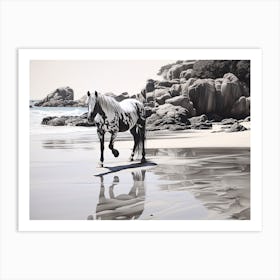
(88, 93)
(96, 93)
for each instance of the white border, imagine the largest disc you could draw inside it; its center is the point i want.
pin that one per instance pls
(24, 57)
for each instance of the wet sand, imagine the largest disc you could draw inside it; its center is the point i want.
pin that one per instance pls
(189, 175)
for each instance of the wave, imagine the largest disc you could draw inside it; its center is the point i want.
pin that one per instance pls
(38, 113)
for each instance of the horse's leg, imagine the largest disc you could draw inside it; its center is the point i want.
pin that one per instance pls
(101, 139)
(136, 140)
(111, 144)
(143, 131)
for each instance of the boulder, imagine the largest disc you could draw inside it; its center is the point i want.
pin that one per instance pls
(187, 74)
(230, 92)
(241, 107)
(184, 102)
(175, 90)
(60, 97)
(67, 120)
(160, 92)
(168, 116)
(203, 95)
(200, 122)
(199, 119)
(228, 121)
(175, 71)
(161, 99)
(150, 85)
(236, 127)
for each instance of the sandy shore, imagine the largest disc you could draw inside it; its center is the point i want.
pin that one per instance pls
(190, 175)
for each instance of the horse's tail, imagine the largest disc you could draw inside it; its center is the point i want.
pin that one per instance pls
(141, 131)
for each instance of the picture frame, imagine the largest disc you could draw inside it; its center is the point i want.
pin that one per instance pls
(139, 255)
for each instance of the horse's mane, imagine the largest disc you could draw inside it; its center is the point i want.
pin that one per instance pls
(109, 104)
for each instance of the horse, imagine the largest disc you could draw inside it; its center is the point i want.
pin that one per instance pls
(112, 116)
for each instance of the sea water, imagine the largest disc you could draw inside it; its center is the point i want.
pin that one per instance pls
(38, 113)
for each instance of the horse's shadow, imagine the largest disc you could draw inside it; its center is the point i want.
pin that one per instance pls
(113, 169)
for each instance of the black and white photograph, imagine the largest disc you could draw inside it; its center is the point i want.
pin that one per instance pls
(140, 139)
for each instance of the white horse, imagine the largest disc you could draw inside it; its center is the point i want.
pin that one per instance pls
(112, 116)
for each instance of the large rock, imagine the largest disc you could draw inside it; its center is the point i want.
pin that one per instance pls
(175, 90)
(184, 102)
(241, 107)
(63, 96)
(168, 116)
(67, 120)
(230, 92)
(161, 99)
(187, 74)
(203, 95)
(175, 71)
(150, 85)
(200, 122)
(236, 127)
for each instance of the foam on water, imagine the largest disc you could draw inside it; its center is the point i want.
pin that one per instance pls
(38, 113)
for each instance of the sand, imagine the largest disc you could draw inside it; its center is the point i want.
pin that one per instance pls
(189, 175)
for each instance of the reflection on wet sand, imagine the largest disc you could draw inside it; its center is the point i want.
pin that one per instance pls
(124, 206)
(219, 178)
(83, 143)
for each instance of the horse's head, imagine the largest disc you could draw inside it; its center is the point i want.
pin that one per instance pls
(92, 108)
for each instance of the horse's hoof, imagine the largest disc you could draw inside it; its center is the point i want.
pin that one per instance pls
(131, 159)
(116, 153)
(100, 164)
(143, 160)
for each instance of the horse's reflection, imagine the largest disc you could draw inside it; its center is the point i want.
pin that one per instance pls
(123, 206)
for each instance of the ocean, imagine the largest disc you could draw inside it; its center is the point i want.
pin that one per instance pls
(38, 113)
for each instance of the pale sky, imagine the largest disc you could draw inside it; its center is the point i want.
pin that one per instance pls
(115, 76)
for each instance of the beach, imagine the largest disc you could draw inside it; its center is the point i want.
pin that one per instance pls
(189, 175)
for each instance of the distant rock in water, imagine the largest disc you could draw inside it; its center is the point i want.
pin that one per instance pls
(67, 120)
(63, 96)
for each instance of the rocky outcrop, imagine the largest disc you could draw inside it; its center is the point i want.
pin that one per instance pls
(200, 89)
(175, 71)
(63, 96)
(67, 120)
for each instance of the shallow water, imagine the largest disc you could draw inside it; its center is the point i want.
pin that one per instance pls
(198, 183)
